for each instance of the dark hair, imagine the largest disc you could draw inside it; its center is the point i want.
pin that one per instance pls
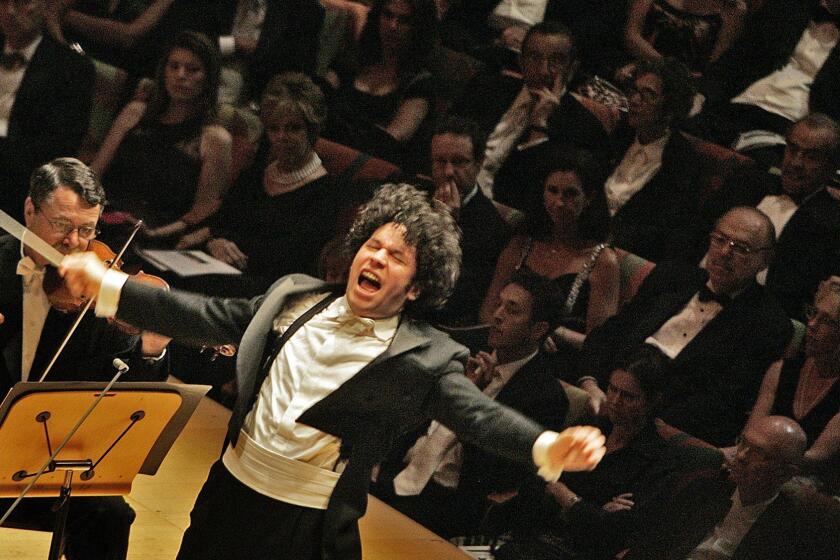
(648, 365)
(65, 172)
(423, 35)
(545, 296)
(208, 53)
(429, 228)
(459, 126)
(294, 92)
(594, 221)
(677, 86)
(552, 27)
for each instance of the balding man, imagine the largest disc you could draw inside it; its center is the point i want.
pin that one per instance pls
(750, 514)
(716, 323)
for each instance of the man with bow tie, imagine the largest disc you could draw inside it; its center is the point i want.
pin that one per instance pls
(717, 325)
(806, 217)
(444, 484)
(63, 208)
(46, 94)
(329, 377)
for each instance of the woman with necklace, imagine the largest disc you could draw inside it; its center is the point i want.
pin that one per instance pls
(565, 244)
(284, 208)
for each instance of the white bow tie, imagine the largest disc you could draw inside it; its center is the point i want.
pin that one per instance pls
(28, 270)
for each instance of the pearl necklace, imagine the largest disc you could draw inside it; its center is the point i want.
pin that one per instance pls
(279, 181)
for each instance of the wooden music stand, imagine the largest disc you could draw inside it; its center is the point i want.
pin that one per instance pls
(128, 433)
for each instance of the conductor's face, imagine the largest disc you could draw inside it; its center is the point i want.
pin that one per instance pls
(382, 274)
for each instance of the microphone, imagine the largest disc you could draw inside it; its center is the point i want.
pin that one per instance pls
(121, 366)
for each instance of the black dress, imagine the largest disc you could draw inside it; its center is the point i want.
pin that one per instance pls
(815, 421)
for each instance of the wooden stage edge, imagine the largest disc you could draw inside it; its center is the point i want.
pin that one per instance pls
(163, 504)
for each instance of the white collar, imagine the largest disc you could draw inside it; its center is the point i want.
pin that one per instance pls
(26, 52)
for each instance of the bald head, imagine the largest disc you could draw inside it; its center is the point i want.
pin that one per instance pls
(787, 440)
(740, 246)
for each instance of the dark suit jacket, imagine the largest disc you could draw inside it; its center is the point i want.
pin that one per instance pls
(808, 248)
(49, 117)
(798, 524)
(487, 96)
(660, 220)
(420, 376)
(713, 382)
(88, 354)
(765, 45)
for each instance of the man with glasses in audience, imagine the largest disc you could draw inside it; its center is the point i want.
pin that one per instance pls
(63, 208)
(716, 324)
(752, 513)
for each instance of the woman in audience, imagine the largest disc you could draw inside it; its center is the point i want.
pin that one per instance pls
(383, 97)
(165, 161)
(284, 208)
(565, 244)
(695, 32)
(807, 387)
(591, 514)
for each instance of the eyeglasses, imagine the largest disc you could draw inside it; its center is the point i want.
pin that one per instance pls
(814, 314)
(648, 96)
(738, 248)
(65, 228)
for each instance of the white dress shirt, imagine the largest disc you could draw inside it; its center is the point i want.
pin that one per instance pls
(10, 81)
(36, 306)
(247, 24)
(500, 142)
(639, 164)
(675, 334)
(529, 12)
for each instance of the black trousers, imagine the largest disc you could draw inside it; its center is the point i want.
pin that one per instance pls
(97, 526)
(230, 521)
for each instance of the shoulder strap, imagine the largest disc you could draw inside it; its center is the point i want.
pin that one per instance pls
(581, 277)
(526, 250)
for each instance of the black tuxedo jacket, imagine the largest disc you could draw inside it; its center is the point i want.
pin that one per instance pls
(798, 524)
(808, 247)
(419, 377)
(49, 117)
(88, 354)
(713, 382)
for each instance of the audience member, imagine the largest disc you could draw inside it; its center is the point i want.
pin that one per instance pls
(520, 116)
(284, 208)
(166, 161)
(718, 326)
(805, 387)
(63, 208)
(806, 217)
(457, 150)
(784, 66)
(565, 245)
(753, 514)
(384, 97)
(45, 98)
(653, 191)
(442, 483)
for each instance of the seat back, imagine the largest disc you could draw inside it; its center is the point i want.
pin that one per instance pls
(109, 88)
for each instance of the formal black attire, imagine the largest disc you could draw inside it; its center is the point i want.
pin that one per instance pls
(712, 383)
(48, 119)
(819, 416)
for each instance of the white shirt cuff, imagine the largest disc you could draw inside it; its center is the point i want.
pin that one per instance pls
(109, 293)
(227, 45)
(547, 471)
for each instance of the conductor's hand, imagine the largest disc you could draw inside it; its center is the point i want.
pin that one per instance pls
(579, 448)
(83, 274)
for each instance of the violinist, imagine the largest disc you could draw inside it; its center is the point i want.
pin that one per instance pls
(63, 208)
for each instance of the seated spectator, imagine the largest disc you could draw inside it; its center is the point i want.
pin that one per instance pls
(165, 161)
(694, 32)
(805, 388)
(565, 244)
(806, 217)
(784, 66)
(520, 115)
(457, 150)
(720, 329)
(46, 91)
(442, 483)
(753, 513)
(383, 98)
(653, 191)
(283, 208)
(591, 514)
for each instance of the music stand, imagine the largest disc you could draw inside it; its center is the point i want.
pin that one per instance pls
(128, 433)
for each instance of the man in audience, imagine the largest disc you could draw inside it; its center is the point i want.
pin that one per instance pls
(521, 116)
(444, 484)
(63, 209)
(805, 215)
(457, 150)
(753, 514)
(718, 326)
(45, 98)
(785, 65)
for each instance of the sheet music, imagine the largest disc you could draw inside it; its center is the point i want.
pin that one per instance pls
(187, 263)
